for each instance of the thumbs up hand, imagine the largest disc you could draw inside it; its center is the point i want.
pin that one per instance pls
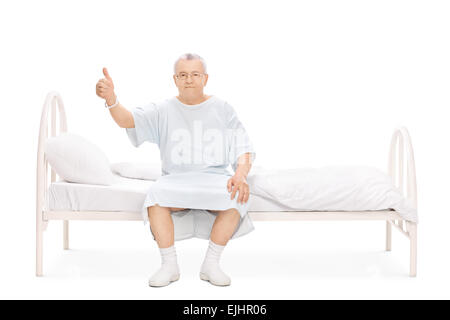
(105, 88)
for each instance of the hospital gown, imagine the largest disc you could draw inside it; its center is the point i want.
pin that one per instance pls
(197, 144)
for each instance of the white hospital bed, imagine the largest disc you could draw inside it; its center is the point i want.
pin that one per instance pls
(260, 209)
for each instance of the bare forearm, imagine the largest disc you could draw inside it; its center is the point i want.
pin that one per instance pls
(122, 116)
(238, 182)
(244, 165)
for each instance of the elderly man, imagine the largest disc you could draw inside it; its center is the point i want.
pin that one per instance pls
(199, 136)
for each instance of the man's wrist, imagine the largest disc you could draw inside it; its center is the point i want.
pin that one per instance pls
(111, 101)
(240, 175)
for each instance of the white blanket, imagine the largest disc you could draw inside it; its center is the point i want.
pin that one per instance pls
(332, 188)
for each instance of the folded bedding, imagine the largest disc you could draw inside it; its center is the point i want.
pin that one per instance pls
(332, 188)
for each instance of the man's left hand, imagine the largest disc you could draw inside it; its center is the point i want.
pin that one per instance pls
(239, 183)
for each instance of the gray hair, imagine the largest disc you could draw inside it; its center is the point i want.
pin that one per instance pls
(189, 56)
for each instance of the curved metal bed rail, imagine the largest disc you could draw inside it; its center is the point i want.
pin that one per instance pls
(401, 145)
(401, 148)
(52, 101)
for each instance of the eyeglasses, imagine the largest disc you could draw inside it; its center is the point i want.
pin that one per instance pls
(184, 75)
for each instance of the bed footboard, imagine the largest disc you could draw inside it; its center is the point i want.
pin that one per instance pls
(400, 150)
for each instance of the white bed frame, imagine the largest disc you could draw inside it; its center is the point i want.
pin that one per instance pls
(400, 146)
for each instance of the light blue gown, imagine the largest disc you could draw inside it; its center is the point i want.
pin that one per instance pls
(197, 144)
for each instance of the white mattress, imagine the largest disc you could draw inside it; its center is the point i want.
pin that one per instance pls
(126, 195)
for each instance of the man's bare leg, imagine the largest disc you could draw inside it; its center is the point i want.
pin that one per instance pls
(161, 226)
(224, 226)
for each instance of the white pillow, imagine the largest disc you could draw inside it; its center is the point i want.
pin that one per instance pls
(76, 159)
(137, 170)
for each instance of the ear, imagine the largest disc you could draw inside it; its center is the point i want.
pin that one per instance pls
(174, 79)
(206, 80)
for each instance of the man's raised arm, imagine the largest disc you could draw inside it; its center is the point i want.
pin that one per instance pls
(105, 90)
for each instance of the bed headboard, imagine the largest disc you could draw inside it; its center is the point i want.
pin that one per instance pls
(52, 100)
(401, 148)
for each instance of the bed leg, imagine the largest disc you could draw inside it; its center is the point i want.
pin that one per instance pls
(388, 235)
(39, 248)
(66, 234)
(412, 232)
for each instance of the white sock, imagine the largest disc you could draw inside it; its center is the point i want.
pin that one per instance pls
(213, 253)
(210, 269)
(168, 271)
(169, 256)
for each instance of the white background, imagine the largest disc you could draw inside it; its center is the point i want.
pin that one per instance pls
(314, 83)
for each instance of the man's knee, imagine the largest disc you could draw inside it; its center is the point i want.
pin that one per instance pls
(169, 209)
(156, 208)
(231, 210)
(176, 209)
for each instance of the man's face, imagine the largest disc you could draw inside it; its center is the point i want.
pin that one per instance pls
(194, 78)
